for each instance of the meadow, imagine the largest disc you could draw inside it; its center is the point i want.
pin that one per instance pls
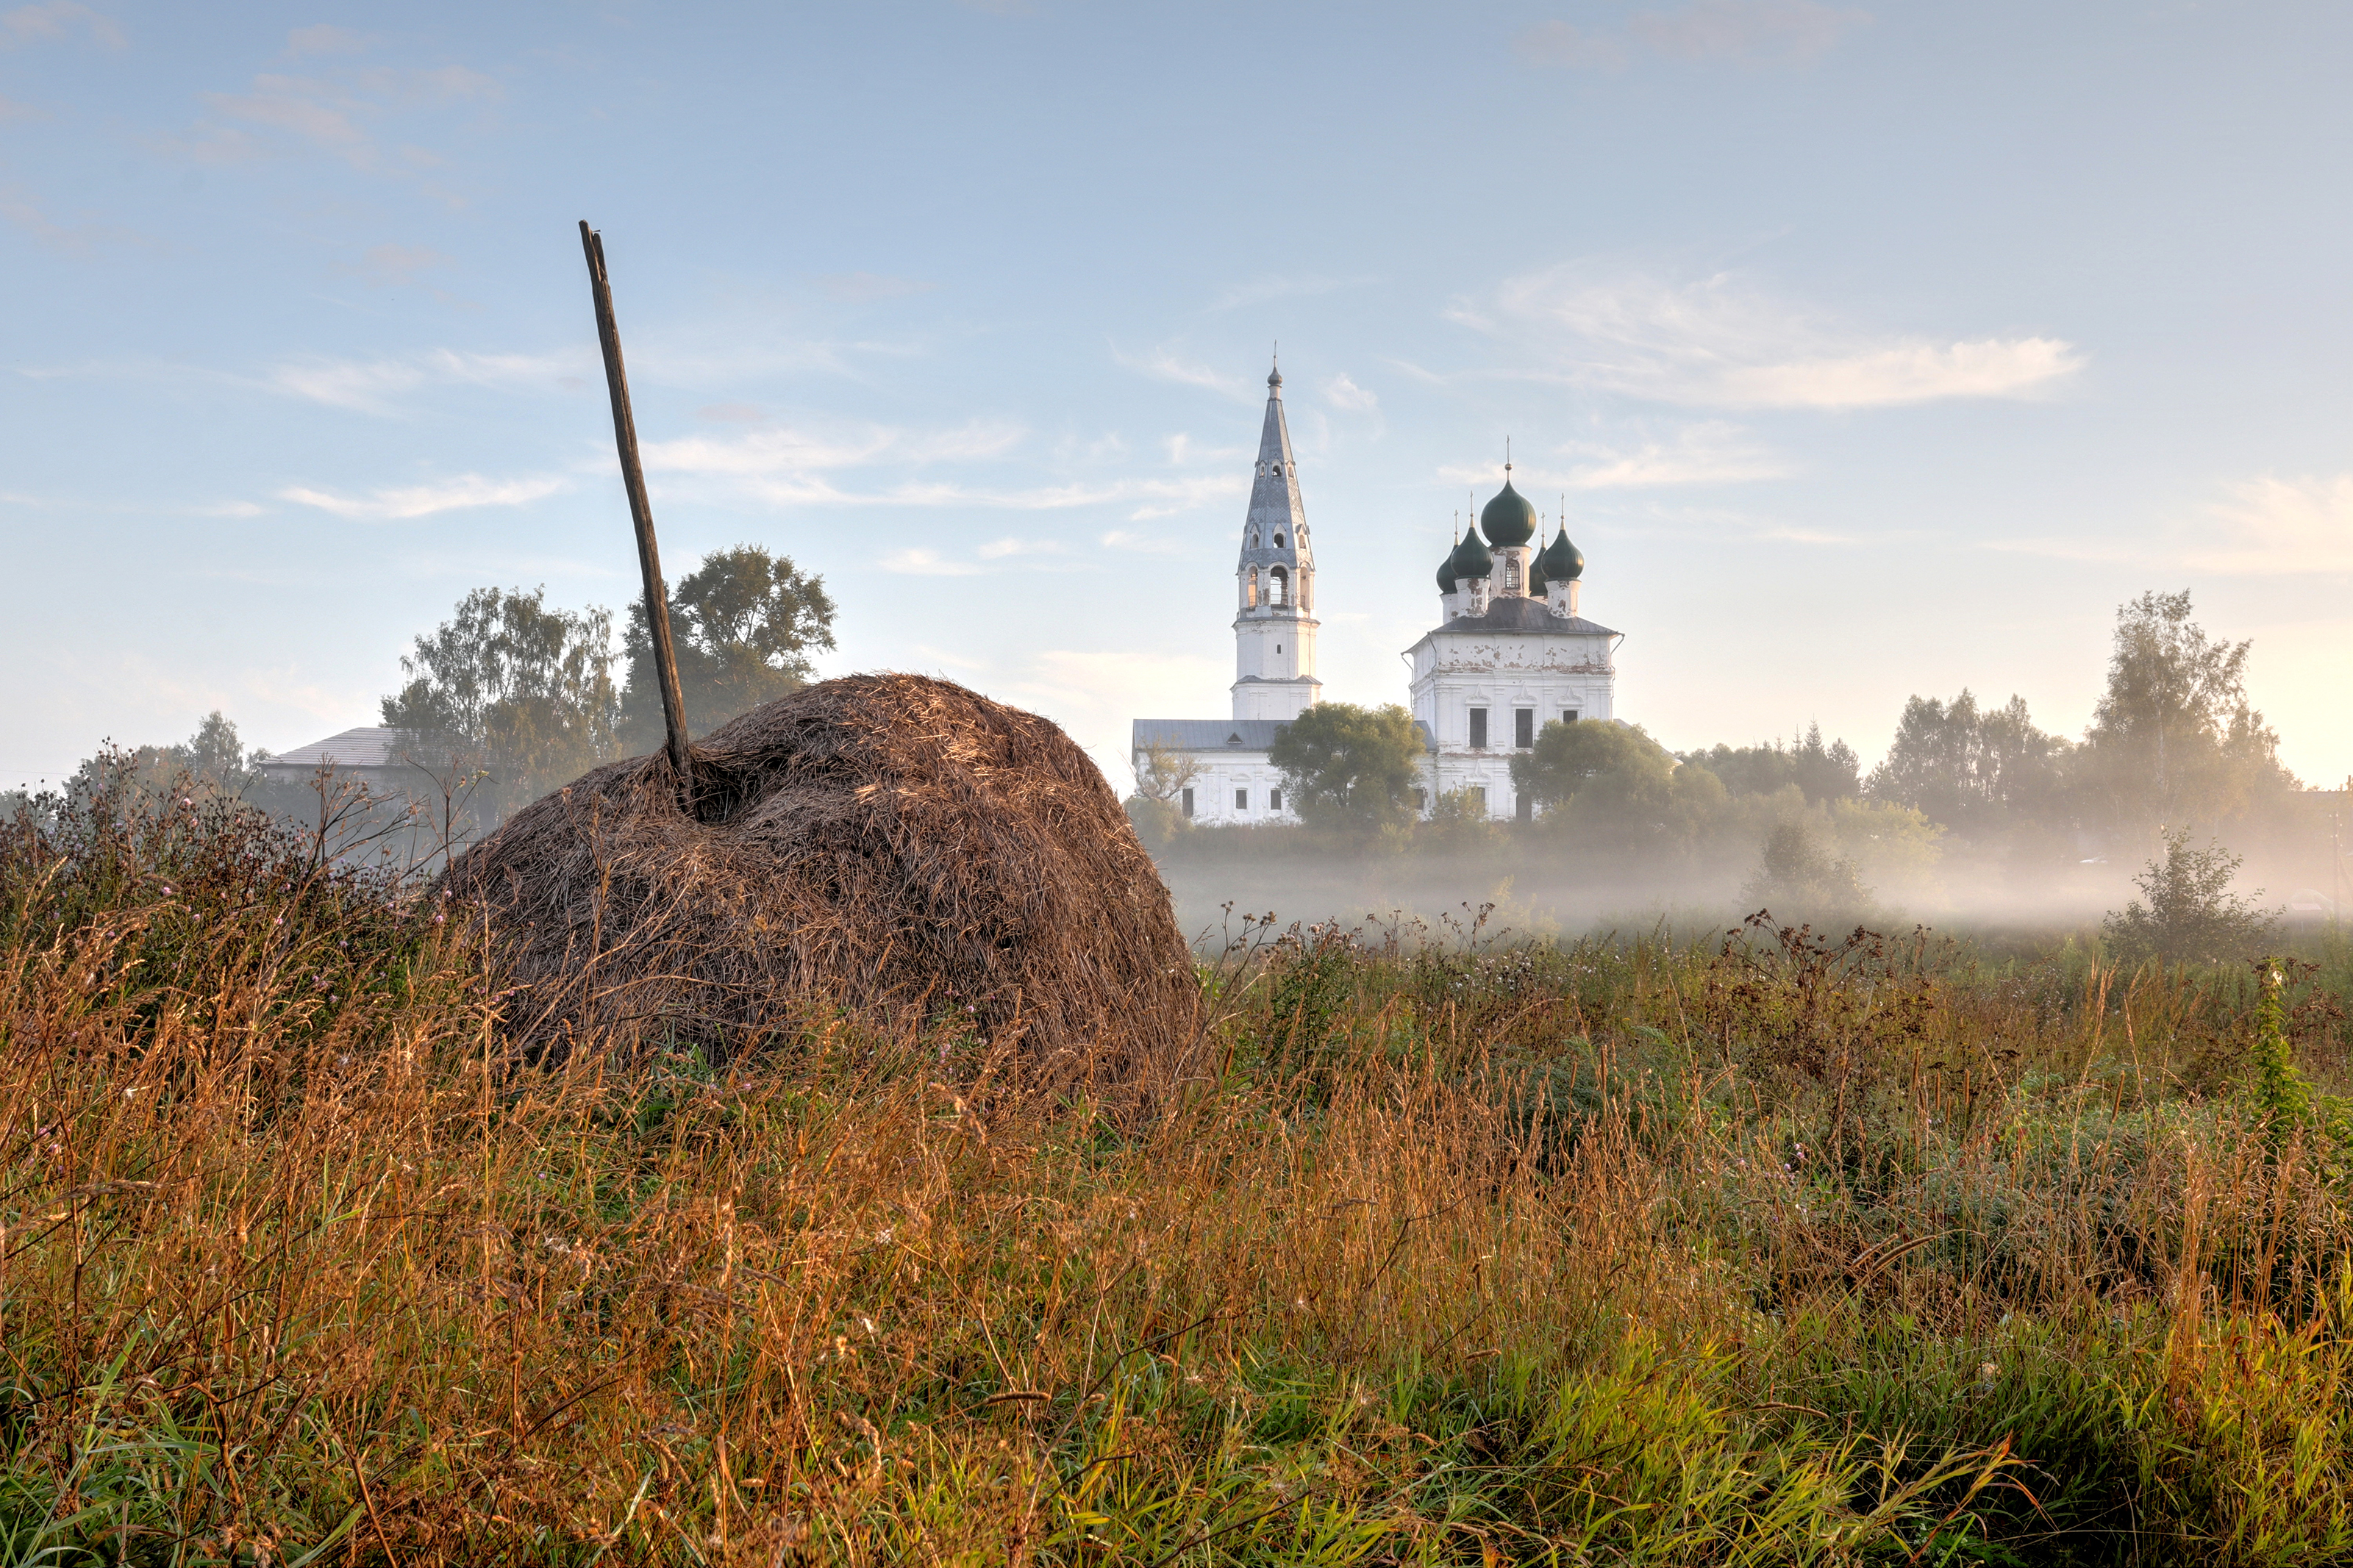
(1738, 1245)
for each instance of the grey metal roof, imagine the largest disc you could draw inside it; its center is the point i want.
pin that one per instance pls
(368, 747)
(1274, 503)
(1512, 612)
(1208, 735)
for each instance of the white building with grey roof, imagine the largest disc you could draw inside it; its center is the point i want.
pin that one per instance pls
(1510, 653)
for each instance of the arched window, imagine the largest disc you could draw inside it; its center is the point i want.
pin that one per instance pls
(1250, 594)
(1278, 583)
(1512, 573)
(1278, 542)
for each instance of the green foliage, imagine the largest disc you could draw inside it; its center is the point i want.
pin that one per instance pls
(1458, 824)
(513, 687)
(211, 760)
(2192, 916)
(742, 624)
(1156, 821)
(1350, 767)
(1764, 1249)
(1616, 767)
(2282, 1099)
(1972, 768)
(1821, 772)
(1616, 793)
(1799, 878)
(2173, 736)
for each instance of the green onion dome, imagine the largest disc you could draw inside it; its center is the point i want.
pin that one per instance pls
(1446, 572)
(1561, 561)
(1471, 561)
(1508, 520)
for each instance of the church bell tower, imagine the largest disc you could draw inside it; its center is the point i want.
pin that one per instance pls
(1274, 626)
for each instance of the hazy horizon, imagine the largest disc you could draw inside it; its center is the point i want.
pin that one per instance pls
(1878, 349)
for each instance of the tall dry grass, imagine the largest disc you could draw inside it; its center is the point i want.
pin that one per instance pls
(1772, 1251)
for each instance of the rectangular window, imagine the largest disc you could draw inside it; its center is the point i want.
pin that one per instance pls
(1422, 800)
(1274, 800)
(1241, 800)
(1188, 803)
(1524, 728)
(1478, 729)
(1478, 793)
(1568, 715)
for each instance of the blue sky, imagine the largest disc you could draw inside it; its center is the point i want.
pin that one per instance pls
(1877, 349)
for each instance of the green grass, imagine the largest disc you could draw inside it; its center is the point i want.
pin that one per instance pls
(1636, 1250)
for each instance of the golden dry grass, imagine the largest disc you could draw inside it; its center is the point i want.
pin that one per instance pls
(1625, 1252)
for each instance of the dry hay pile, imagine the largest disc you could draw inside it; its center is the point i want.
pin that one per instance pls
(890, 845)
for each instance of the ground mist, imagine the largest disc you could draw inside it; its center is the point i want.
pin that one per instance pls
(1756, 1250)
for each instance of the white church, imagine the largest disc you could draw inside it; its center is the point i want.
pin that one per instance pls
(1509, 654)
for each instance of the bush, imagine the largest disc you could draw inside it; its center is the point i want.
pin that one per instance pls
(2192, 916)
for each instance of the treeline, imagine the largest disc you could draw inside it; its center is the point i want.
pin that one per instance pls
(2175, 753)
(524, 696)
(512, 697)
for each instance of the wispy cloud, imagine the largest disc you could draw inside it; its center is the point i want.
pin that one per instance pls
(928, 564)
(342, 113)
(1164, 366)
(2271, 525)
(54, 20)
(1720, 342)
(390, 266)
(1341, 391)
(1142, 544)
(1749, 31)
(400, 503)
(373, 387)
(2057, 547)
(1182, 450)
(325, 39)
(788, 464)
(1005, 549)
(1259, 290)
(1096, 693)
(865, 288)
(71, 236)
(1710, 453)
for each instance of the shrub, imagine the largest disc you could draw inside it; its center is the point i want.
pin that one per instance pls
(2192, 916)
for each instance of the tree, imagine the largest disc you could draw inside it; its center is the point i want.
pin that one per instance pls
(1615, 787)
(1347, 766)
(513, 687)
(1805, 879)
(1163, 771)
(1968, 767)
(742, 623)
(1824, 772)
(2174, 738)
(213, 755)
(1608, 764)
(211, 759)
(2192, 916)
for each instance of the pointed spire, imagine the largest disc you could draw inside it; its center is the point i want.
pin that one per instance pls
(1275, 509)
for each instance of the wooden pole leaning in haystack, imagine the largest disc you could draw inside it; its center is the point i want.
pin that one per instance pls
(642, 513)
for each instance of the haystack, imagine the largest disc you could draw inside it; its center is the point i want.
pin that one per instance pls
(888, 846)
